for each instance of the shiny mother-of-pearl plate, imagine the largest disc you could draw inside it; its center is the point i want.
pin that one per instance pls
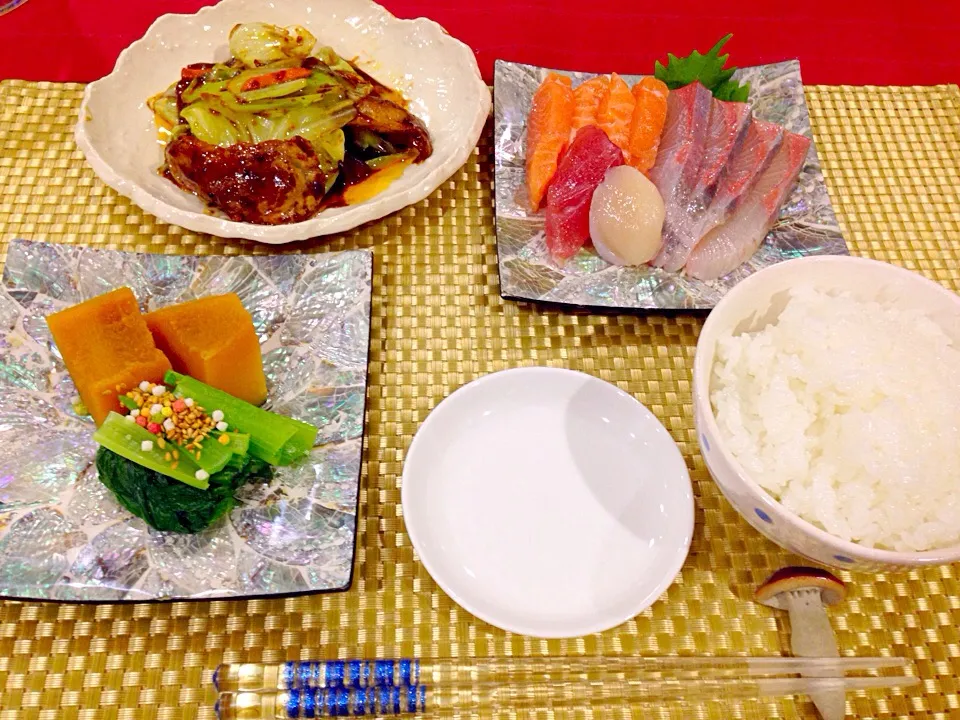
(436, 73)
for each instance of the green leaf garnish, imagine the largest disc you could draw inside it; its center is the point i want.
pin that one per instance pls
(732, 90)
(708, 69)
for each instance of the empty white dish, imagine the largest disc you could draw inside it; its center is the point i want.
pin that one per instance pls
(547, 502)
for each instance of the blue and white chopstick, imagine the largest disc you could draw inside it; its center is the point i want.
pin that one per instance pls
(353, 688)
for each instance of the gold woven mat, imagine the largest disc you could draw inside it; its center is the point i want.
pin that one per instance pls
(892, 158)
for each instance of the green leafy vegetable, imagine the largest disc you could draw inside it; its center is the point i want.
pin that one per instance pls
(125, 438)
(239, 443)
(257, 44)
(312, 124)
(275, 439)
(164, 106)
(274, 91)
(213, 456)
(213, 123)
(732, 90)
(220, 119)
(708, 69)
(197, 89)
(167, 504)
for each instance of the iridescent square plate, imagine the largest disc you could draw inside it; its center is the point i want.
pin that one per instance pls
(63, 536)
(806, 226)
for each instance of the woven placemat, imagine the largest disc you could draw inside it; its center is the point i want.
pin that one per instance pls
(891, 157)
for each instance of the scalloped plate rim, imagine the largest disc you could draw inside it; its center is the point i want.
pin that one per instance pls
(351, 217)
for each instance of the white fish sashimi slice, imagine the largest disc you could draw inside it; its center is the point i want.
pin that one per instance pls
(681, 143)
(731, 244)
(724, 132)
(760, 143)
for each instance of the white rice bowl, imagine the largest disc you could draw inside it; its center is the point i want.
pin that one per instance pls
(848, 412)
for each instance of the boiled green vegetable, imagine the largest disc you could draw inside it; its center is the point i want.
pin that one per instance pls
(126, 439)
(167, 504)
(275, 439)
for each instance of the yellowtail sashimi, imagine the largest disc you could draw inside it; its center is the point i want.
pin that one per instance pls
(724, 131)
(728, 246)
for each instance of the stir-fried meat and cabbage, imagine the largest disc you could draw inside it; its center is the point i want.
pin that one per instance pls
(278, 132)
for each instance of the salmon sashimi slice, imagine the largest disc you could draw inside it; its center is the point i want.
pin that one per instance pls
(649, 115)
(760, 144)
(581, 170)
(616, 111)
(586, 102)
(678, 158)
(731, 244)
(548, 131)
(725, 130)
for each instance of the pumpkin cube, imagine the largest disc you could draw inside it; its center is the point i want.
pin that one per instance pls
(107, 349)
(213, 340)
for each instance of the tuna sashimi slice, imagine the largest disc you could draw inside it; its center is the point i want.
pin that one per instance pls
(729, 245)
(760, 143)
(725, 131)
(581, 170)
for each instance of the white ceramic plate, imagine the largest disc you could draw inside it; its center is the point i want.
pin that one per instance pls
(547, 502)
(436, 73)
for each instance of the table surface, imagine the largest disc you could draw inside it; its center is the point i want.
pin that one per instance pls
(857, 42)
(891, 157)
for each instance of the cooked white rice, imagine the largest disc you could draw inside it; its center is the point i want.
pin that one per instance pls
(849, 413)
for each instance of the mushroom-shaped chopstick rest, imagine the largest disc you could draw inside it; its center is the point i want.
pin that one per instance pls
(804, 592)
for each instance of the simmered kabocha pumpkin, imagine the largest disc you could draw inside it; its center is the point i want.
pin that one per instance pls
(107, 349)
(213, 340)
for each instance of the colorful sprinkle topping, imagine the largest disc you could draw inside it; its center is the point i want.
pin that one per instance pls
(179, 419)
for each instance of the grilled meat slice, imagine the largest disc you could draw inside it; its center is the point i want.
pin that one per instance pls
(393, 122)
(266, 183)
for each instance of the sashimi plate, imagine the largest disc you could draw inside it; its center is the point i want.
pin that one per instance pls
(806, 226)
(63, 536)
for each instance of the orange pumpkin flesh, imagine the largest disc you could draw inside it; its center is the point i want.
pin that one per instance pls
(213, 340)
(107, 349)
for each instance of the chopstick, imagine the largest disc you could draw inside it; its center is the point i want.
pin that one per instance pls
(363, 673)
(328, 688)
(487, 698)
